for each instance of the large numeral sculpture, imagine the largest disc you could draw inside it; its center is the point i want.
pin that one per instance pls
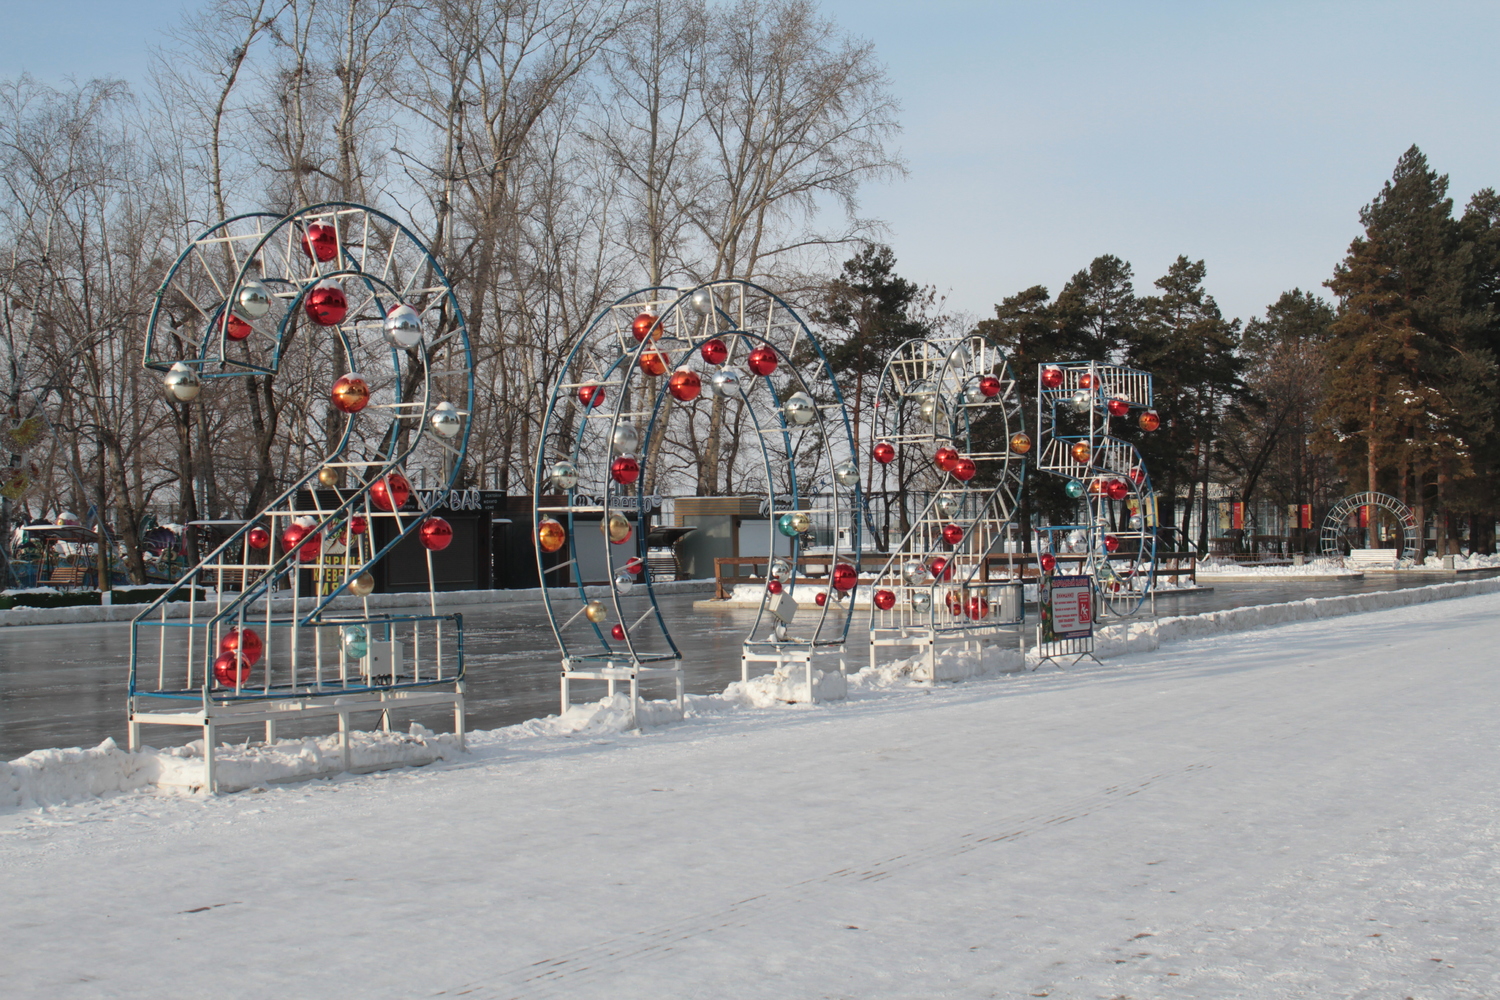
(1078, 403)
(722, 369)
(334, 299)
(950, 406)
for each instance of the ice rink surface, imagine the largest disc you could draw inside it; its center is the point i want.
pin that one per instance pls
(1308, 810)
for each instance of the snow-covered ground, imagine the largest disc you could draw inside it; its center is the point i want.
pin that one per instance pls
(1313, 567)
(1307, 810)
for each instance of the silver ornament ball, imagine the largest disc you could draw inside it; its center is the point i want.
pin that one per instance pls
(625, 439)
(182, 383)
(255, 299)
(445, 420)
(564, 475)
(846, 474)
(703, 301)
(800, 409)
(403, 327)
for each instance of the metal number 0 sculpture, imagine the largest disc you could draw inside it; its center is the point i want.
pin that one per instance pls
(726, 366)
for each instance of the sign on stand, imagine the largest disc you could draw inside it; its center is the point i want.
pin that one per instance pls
(1068, 609)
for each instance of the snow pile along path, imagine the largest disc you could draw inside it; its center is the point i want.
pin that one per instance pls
(1306, 811)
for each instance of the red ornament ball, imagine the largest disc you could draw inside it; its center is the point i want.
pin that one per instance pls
(964, 469)
(953, 533)
(1118, 407)
(617, 632)
(1052, 378)
(1086, 380)
(653, 363)
(358, 525)
(1116, 489)
(633, 566)
(321, 242)
(885, 453)
(351, 394)
(303, 541)
(773, 586)
(989, 386)
(955, 603)
(236, 328)
(820, 598)
(436, 534)
(762, 360)
(940, 569)
(390, 492)
(326, 304)
(230, 670)
(1149, 420)
(714, 351)
(685, 385)
(591, 395)
(885, 600)
(1138, 475)
(247, 643)
(625, 470)
(643, 325)
(1111, 543)
(978, 607)
(258, 537)
(1048, 561)
(944, 458)
(844, 577)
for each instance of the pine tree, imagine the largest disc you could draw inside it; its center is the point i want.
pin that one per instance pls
(1191, 351)
(1406, 382)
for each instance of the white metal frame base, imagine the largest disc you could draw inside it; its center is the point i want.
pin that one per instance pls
(792, 654)
(211, 715)
(612, 674)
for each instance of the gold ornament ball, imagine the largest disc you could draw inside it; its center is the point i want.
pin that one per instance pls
(617, 528)
(595, 611)
(328, 477)
(362, 585)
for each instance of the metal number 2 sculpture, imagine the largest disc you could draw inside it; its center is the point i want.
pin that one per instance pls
(724, 367)
(952, 403)
(352, 279)
(1077, 403)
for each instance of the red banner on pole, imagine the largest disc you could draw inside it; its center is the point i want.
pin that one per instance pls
(1237, 515)
(1306, 515)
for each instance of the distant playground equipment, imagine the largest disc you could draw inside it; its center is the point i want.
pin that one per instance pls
(724, 367)
(329, 287)
(950, 406)
(1353, 531)
(1114, 541)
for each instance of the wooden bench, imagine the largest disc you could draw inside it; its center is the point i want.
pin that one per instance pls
(1372, 558)
(68, 576)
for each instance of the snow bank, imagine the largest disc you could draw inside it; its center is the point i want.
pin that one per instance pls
(1313, 567)
(1475, 561)
(51, 777)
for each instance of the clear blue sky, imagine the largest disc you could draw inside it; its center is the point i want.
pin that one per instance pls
(1041, 134)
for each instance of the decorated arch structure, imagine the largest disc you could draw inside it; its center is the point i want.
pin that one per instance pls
(340, 301)
(1079, 406)
(662, 380)
(1353, 520)
(950, 405)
